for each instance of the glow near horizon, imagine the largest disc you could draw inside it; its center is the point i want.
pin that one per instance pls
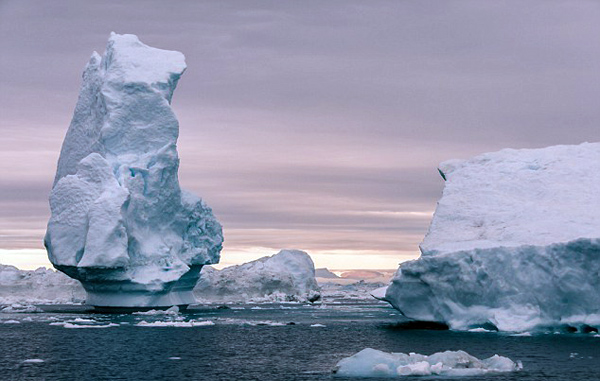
(31, 259)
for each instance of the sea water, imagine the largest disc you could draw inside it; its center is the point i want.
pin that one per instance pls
(257, 342)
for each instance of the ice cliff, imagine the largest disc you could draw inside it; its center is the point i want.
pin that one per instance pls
(286, 276)
(119, 221)
(514, 244)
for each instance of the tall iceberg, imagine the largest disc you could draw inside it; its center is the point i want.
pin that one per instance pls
(119, 221)
(514, 243)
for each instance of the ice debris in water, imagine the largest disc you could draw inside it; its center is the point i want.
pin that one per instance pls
(119, 221)
(373, 363)
(514, 244)
(173, 311)
(18, 308)
(184, 324)
(33, 361)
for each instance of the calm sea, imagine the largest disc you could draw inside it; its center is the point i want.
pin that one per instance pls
(248, 343)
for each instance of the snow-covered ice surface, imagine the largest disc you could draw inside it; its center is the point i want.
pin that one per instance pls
(120, 222)
(41, 286)
(373, 363)
(286, 276)
(514, 244)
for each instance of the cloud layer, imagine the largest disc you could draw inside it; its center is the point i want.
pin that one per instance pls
(315, 125)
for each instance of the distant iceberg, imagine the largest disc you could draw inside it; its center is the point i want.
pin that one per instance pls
(41, 286)
(514, 244)
(120, 222)
(286, 276)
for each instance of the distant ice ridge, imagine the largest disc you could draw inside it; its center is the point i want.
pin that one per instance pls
(41, 286)
(120, 222)
(286, 276)
(373, 363)
(514, 244)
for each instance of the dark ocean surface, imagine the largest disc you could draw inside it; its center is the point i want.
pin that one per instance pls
(245, 343)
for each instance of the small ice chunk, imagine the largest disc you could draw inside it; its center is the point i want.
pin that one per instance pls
(11, 322)
(70, 325)
(181, 324)
(17, 308)
(318, 325)
(33, 361)
(479, 330)
(170, 311)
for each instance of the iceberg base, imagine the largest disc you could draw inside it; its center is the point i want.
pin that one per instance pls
(112, 289)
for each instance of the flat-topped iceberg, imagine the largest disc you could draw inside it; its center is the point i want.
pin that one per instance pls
(286, 276)
(120, 222)
(514, 244)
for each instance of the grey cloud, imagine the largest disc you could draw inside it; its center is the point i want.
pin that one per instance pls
(300, 119)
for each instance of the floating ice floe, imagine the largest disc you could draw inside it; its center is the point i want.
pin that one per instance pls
(172, 311)
(33, 361)
(373, 363)
(71, 325)
(514, 244)
(17, 308)
(77, 323)
(183, 324)
(270, 323)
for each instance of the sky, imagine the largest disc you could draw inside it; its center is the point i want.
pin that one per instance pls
(315, 125)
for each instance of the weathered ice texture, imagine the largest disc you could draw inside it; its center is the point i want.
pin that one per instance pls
(41, 286)
(370, 363)
(120, 222)
(286, 276)
(514, 243)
